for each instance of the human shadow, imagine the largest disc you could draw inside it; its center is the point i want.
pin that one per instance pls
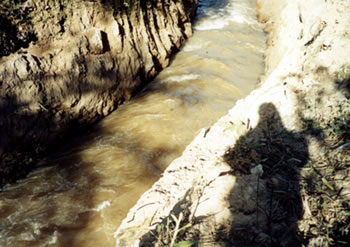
(270, 157)
(344, 86)
(265, 202)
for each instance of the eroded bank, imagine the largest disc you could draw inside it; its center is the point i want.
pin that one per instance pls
(67, 64)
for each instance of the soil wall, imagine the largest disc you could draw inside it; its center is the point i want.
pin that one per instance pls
(66, 64)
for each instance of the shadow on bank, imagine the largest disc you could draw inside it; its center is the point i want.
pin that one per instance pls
(271, 157)
(265, 202)
(282, 195)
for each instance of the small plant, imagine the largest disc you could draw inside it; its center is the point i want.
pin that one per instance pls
(339, 125)
(168, 233)
(314, 127)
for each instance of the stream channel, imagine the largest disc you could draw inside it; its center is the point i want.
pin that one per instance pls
(83, 192)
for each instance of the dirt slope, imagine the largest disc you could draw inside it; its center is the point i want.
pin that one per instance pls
(66, 64)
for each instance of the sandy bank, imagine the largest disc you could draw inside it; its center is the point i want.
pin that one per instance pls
(222, 190)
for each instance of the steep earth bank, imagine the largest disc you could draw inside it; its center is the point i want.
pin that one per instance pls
(65, 64)
(275, 170)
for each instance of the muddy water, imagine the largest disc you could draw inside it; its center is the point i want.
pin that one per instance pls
(85, 190)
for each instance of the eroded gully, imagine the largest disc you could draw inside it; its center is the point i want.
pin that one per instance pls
(81, 195)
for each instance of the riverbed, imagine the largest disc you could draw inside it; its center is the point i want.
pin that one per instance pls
(82, 193)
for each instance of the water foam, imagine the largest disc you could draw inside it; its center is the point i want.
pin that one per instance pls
(53, 239)
(214, 15)
(102, 206)
(188, 77)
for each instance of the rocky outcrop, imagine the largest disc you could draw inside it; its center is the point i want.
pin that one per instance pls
(75, 62)
(238, 183)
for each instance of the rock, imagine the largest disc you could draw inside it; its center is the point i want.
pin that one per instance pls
(97, 41)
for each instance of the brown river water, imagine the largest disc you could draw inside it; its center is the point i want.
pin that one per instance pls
(83, 193)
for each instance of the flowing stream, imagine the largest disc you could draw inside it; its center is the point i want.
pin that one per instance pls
(81, 195)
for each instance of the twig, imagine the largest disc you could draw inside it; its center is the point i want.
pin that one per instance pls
(178, 221)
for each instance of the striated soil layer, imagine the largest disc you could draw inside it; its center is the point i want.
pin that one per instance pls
(66, 64)
(275, 170)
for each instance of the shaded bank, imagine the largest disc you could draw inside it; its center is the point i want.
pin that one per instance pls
(272, 157)
(264, 203)
(88, 58)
